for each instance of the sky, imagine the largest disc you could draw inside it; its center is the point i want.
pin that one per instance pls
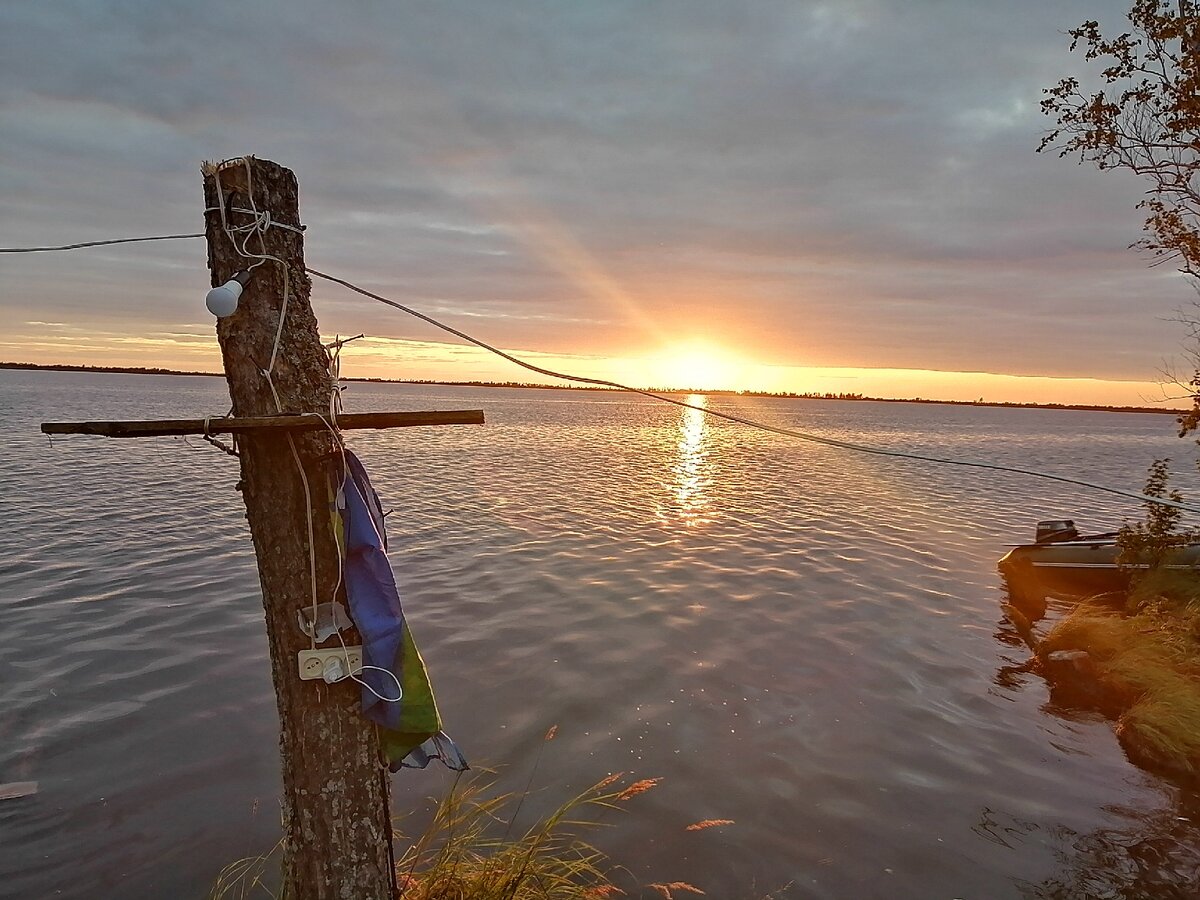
(795, 196)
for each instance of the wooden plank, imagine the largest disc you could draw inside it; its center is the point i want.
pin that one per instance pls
(296, 422)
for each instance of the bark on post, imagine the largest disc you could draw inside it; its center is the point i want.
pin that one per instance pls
(336, 820)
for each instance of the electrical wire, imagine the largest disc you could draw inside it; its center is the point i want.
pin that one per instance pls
(264, 219)
(787, 432)
(340, 503)
(133, 240)
(259, 224)
(262, 222)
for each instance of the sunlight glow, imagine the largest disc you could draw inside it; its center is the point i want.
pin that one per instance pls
(698, 365)
(692, 469)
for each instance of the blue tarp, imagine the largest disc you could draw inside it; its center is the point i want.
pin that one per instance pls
(412, 726)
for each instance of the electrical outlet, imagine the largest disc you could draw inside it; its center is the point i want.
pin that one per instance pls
(312, 662)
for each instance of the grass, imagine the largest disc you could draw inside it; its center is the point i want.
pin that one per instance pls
(1146, 660)
(245, 877)
(473, 850)
(469, 853)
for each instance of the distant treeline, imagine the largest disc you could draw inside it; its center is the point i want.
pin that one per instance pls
(119, 370)
(785, 395)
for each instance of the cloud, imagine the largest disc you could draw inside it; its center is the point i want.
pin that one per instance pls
(843, 183)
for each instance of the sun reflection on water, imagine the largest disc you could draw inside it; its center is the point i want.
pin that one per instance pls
(692, 468)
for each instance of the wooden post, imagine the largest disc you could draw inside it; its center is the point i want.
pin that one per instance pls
(337, 839)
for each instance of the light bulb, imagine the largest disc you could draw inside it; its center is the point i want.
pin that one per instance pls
(223, 301)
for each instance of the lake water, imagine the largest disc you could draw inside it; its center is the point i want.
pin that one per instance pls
(801, 639)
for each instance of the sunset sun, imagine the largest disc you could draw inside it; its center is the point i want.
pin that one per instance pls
(698, 365)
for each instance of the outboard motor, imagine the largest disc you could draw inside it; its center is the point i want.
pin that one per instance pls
(1054, 530)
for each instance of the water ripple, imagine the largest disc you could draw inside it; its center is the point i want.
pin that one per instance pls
(801, 640)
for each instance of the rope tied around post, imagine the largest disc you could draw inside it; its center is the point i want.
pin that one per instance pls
(217, 442)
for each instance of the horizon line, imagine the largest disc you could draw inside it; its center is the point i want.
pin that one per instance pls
(790, 395)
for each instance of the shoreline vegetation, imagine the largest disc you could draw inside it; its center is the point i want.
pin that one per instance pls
(1132, 657)
(785, 395)
(1135, 655)
(472, 847)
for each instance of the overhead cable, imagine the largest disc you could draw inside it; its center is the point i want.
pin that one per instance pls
(602, 382)
(133, 240)
(787, 432)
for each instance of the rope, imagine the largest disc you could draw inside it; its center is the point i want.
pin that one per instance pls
(787, 432)
(217, 442)
(260, 224)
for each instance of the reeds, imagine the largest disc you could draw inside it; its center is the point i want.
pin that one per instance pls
(244, 878)
(468, 852)
(473, 849)
(1147, 663)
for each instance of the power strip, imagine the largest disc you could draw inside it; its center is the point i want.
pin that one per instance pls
(313, 662)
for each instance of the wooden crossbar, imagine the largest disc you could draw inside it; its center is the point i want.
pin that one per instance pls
(295, 421)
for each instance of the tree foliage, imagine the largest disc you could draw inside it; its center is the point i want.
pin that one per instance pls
(1148, 543)
(1144, 116)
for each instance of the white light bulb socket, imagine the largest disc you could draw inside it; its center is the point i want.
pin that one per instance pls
(223, 301)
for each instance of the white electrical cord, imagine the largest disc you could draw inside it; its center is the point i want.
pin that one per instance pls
(341, 504)
(261, 223)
